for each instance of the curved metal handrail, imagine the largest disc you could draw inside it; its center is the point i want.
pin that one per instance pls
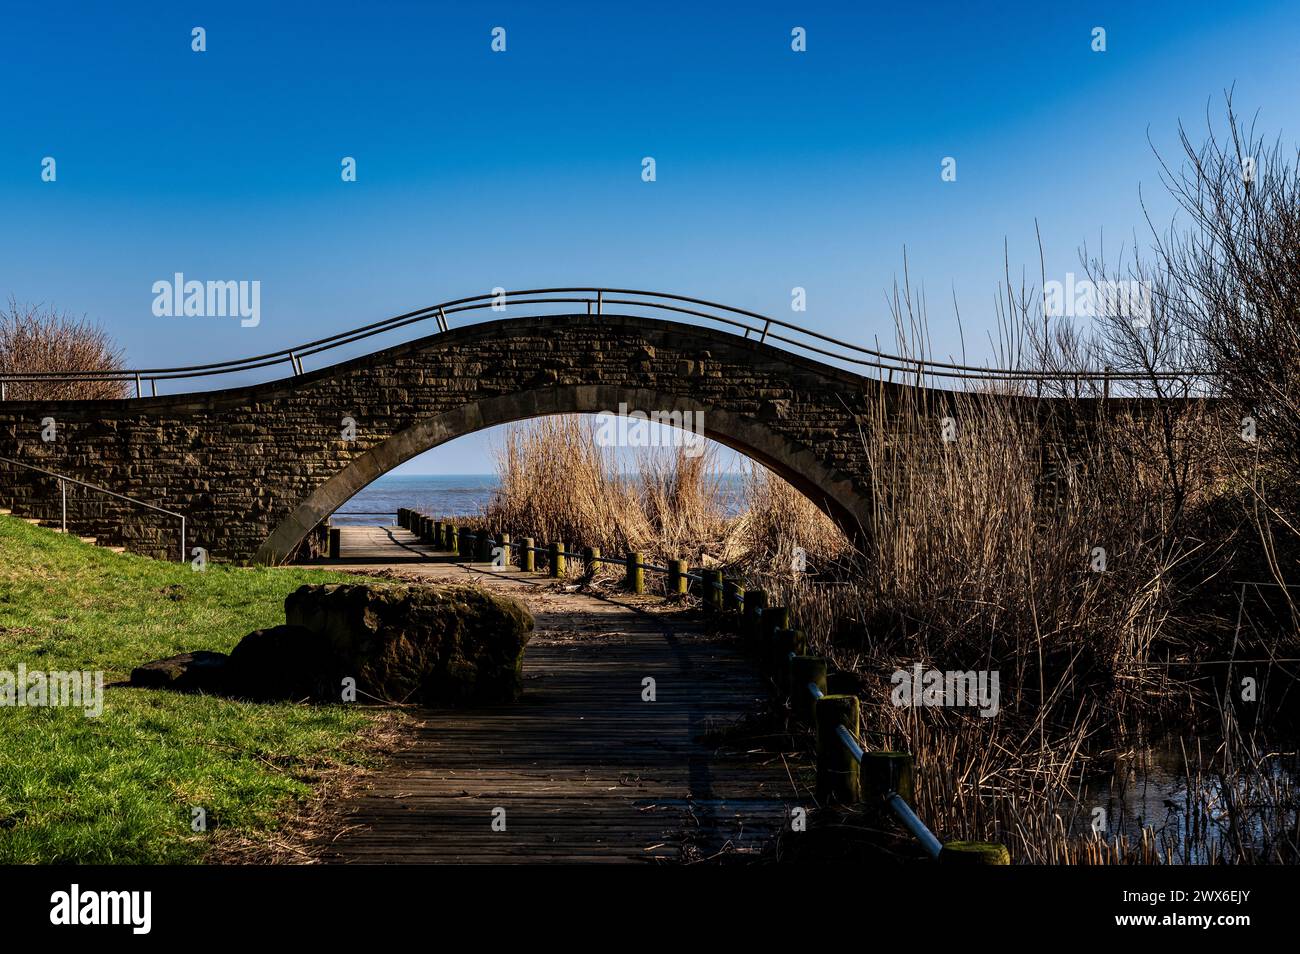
(739, 318)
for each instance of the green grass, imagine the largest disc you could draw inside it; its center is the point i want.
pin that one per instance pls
(120, 788)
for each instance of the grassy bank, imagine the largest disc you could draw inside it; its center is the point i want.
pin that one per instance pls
(121, 787)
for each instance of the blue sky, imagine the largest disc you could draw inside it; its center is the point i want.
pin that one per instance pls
(522, 168)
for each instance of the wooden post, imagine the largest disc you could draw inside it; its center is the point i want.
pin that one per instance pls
(755, 601)
(439, 529)
(770, 620)
(677, 578)
(635, 576)
(527, 558)
(483, 545)
(507, 554)
(401, 517)
(555, 556)
(974, 853)
(705, 589)
(805, 670)
(711, 590)
(590, 558)
(837, 770)
(466, 549)
(453, 538)
(730, 596)
(786, 642)
(885, 772)
(336, 543)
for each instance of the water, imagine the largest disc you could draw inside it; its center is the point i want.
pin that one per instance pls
(1187, 809)
(462, 495)
(450, 495)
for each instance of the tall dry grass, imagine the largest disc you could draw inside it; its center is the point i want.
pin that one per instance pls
(558, 483)
(781, 533)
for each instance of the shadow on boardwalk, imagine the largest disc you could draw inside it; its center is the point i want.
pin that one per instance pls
(584, 768)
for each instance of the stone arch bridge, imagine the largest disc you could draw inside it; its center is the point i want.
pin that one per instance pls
(253, 469)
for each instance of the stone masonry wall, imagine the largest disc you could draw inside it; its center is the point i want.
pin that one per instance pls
(238, 462)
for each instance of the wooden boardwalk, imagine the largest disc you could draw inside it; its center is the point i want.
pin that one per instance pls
(584, 768)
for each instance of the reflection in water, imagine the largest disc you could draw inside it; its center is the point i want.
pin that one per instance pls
(1198, 812)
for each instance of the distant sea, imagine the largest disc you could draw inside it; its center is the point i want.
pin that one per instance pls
(448, 495)
(455, 495)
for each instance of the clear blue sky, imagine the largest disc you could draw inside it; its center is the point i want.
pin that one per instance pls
(477, 169)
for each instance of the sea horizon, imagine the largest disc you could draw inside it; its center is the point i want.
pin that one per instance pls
(458, 495)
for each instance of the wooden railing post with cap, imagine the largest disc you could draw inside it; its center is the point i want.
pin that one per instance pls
(974, 853)
(806, 674)
(886, 772)
(590, 561)
(755, 601)
(483, 547)
(837, 770)
(712, 594)
(634, 576)
(770, 620)
(528, 555)
(785, 644)
(731, 599)
(452, 533)
(555, 559)
(677, 578)
(846, 773)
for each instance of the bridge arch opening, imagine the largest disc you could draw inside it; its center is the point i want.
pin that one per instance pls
(751, 438)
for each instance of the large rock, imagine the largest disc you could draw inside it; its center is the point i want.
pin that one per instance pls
(200, 671)
(285, 662)
(433, 645)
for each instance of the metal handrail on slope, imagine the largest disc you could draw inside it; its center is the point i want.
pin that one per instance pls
(595, 300)
(64, 480)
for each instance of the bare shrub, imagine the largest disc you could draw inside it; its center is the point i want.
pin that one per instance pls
(35, 338)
